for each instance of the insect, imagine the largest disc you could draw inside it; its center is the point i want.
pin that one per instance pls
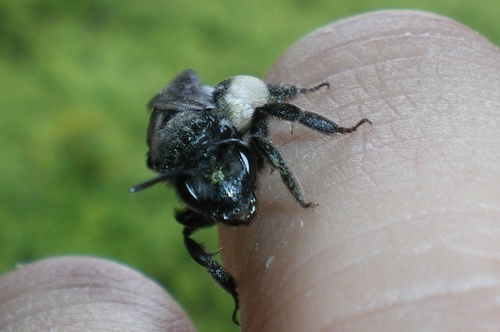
(210, 143)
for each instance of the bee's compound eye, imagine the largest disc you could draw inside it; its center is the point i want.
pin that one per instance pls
(194, 192)
(249, 162)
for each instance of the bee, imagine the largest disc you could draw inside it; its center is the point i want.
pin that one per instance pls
(210, 143)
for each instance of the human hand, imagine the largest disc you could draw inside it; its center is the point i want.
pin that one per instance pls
(406, 236)
(85, 294)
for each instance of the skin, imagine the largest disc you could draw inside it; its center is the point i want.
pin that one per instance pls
(406, 236)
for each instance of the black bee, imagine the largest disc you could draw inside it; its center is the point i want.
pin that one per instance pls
(211, 142)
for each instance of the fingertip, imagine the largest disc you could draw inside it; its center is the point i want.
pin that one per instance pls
(429, 84)
(89, 294)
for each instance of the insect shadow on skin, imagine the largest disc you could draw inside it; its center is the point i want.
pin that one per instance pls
(210, 143)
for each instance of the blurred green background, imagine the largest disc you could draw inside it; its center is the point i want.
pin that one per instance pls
(75, 77)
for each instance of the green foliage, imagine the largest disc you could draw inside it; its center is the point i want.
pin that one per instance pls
(75, 78)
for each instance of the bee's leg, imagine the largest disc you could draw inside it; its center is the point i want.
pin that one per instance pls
(192, 222)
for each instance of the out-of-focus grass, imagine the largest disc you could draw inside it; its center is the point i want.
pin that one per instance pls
(75, 78)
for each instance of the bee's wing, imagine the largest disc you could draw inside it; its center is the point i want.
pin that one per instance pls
(183, 93)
